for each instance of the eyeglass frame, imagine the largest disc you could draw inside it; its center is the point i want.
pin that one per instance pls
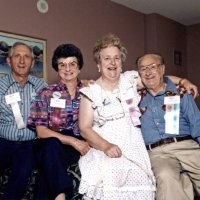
(72, 65)
(108, 59)
(153, 67)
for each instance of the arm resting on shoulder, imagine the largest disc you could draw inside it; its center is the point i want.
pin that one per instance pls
(190, 87)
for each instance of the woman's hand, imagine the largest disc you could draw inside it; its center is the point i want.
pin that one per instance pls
(190, 87)
(86, 82)
(81, 146)
(113, 151)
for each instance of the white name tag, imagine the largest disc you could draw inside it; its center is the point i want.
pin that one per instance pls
(18, 117)
(57, 103)
(172, 114)
(12, 98)
(172, 100)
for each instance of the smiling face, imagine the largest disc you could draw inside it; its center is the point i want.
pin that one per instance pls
(68, 69)
(110, 64)
(151, 71)
(20, 62)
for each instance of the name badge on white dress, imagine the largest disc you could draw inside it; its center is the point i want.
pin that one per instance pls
(133, 109)
(57, 103)
(12, 100)
(172, 114)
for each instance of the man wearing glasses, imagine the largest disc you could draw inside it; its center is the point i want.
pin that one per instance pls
(171, 130)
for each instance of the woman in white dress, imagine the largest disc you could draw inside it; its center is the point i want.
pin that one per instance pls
(117, 166)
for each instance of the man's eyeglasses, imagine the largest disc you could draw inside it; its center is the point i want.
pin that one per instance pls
(70, 65)
(151, 67)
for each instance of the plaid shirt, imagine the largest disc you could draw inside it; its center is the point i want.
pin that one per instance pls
(57, 119)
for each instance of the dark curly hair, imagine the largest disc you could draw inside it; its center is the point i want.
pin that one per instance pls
(65, 51)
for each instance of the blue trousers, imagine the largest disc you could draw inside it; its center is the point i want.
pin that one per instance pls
(20, 158)
(53, 159)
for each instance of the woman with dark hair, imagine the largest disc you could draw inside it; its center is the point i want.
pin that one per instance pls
(54, 113)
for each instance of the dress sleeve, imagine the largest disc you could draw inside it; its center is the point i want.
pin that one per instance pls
(91, 92)
(131, 76)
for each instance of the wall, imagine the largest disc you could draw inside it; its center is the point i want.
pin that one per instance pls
(80, 22)
(164, 36)
(193, 55)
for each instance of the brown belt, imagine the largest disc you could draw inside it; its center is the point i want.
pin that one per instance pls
(167, 141)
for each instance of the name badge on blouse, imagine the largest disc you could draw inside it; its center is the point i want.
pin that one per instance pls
(12, 100)
(57, 103)
(172, 114)
(56, 95)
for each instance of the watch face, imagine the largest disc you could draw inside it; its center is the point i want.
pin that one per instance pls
(42, 6)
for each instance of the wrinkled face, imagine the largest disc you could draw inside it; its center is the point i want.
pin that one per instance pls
(110, 63)
(21, 61)
(68, 69)
(151, 72)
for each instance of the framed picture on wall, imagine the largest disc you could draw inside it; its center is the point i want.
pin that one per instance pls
(39, 51)
(177, 58)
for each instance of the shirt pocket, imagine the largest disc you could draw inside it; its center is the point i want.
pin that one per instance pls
(6, 114)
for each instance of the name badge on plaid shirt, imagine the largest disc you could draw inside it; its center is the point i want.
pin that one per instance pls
(57, 103)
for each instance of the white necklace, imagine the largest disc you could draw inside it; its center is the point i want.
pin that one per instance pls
(108, 96)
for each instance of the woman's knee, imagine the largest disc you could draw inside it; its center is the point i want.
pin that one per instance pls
(49, 143)
(48, 147)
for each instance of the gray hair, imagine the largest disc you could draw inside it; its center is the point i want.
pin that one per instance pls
(155, 55)
(10, 53)
(106, 41)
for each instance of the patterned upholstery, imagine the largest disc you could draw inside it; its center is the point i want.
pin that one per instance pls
(73, 171)
(29, 194)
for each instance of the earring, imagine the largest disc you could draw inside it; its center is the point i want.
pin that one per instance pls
(121, 70)
(99, 70)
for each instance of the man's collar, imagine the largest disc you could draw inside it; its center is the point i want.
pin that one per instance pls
(12, 80)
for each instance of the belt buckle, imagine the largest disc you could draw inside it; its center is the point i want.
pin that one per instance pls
(149, 145)
(175, 140)
(18, 142)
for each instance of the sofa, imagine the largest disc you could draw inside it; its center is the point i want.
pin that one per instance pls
(73, 171)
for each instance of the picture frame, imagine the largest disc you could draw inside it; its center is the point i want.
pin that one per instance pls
(177, 58)
(39, 51)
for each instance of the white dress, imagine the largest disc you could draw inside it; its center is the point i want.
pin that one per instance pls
(130, 176)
